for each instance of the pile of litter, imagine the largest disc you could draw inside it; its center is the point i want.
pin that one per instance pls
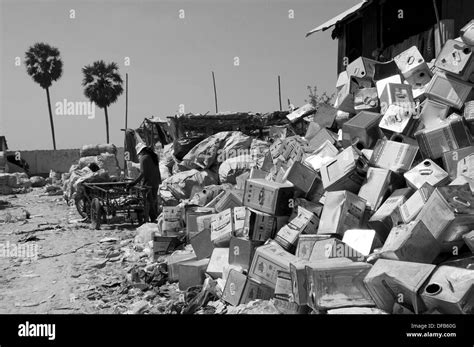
(367, 212)
(15, 183)
(104, 156)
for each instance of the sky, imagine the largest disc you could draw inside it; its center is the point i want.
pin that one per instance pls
(170, 60)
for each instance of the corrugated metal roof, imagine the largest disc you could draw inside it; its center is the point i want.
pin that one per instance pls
(339, 17)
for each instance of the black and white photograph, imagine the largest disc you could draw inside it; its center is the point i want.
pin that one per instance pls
(174, 169)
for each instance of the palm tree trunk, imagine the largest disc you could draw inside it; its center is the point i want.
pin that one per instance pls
(106, 123)
(51, 118)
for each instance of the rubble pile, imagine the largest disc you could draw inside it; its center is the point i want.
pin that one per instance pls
(370, 212)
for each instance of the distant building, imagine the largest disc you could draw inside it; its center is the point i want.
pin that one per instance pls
(380, 29)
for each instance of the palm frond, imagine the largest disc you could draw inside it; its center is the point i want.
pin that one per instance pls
(102, 83)
(43, 63)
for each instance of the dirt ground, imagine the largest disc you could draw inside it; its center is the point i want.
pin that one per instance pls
(74, 272)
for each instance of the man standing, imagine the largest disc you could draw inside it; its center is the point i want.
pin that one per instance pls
(150, 173)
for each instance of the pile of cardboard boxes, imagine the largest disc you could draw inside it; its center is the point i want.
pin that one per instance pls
(372, 208)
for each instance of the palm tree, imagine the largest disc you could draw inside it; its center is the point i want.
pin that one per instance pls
(44, 65)
(103, 86)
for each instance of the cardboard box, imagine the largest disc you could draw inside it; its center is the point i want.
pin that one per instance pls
(321, 137)
(387, 214)
(204, 222)
(255, 290)
(325, 153)
(450, 290)
(411, 242)
(362, 130)
(325, 116)
(230, 199)
(378, 185)
(342, 117)
(192, 213)
(452, 158)
(409, 210)
(394, 156)
(362, 67)
(301, 112)
(305, 179)
(345, 94)
(283, 288)
(456, 58)
(426, 172)
(363, 241)
(342, 210)
(283, 298)
(396, 94)
(448, 90)
(334, 248)
(202, 244)
(345, 98)
(433, 112)
(218, 262)
(335, 285)
(240, 216)
(445, 137)
(366, 99)
(466, 166)
(268, 259)
(394, 281)
(299, 277)
(345, 172)
(413, 67)
(448, 214)
(222, 228)
(172, 219)
(381, 84)
(165, 244)
(268, 197)
(234, 288)
(467, 33)
(305, 222)
(192, 273)
(176, 258)
(398, 119)
(306, 244)
(241, 179)
(469, 240)
(261, 226)
(241, 251)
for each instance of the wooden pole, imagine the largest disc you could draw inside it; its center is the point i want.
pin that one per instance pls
(125, 169)
(439, 25)
(279, 92)
(215, 92)
(126, 100)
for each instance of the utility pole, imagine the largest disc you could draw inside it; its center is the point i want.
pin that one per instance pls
(215, 92)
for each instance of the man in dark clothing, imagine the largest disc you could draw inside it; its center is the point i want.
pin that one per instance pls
(150, 173)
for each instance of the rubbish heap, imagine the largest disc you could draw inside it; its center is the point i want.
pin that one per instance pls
(370, 212)
(17, 183)
(105, 156)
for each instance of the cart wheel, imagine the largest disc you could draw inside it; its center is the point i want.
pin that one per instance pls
(96, 214)
(83, 207)
(140, 217)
